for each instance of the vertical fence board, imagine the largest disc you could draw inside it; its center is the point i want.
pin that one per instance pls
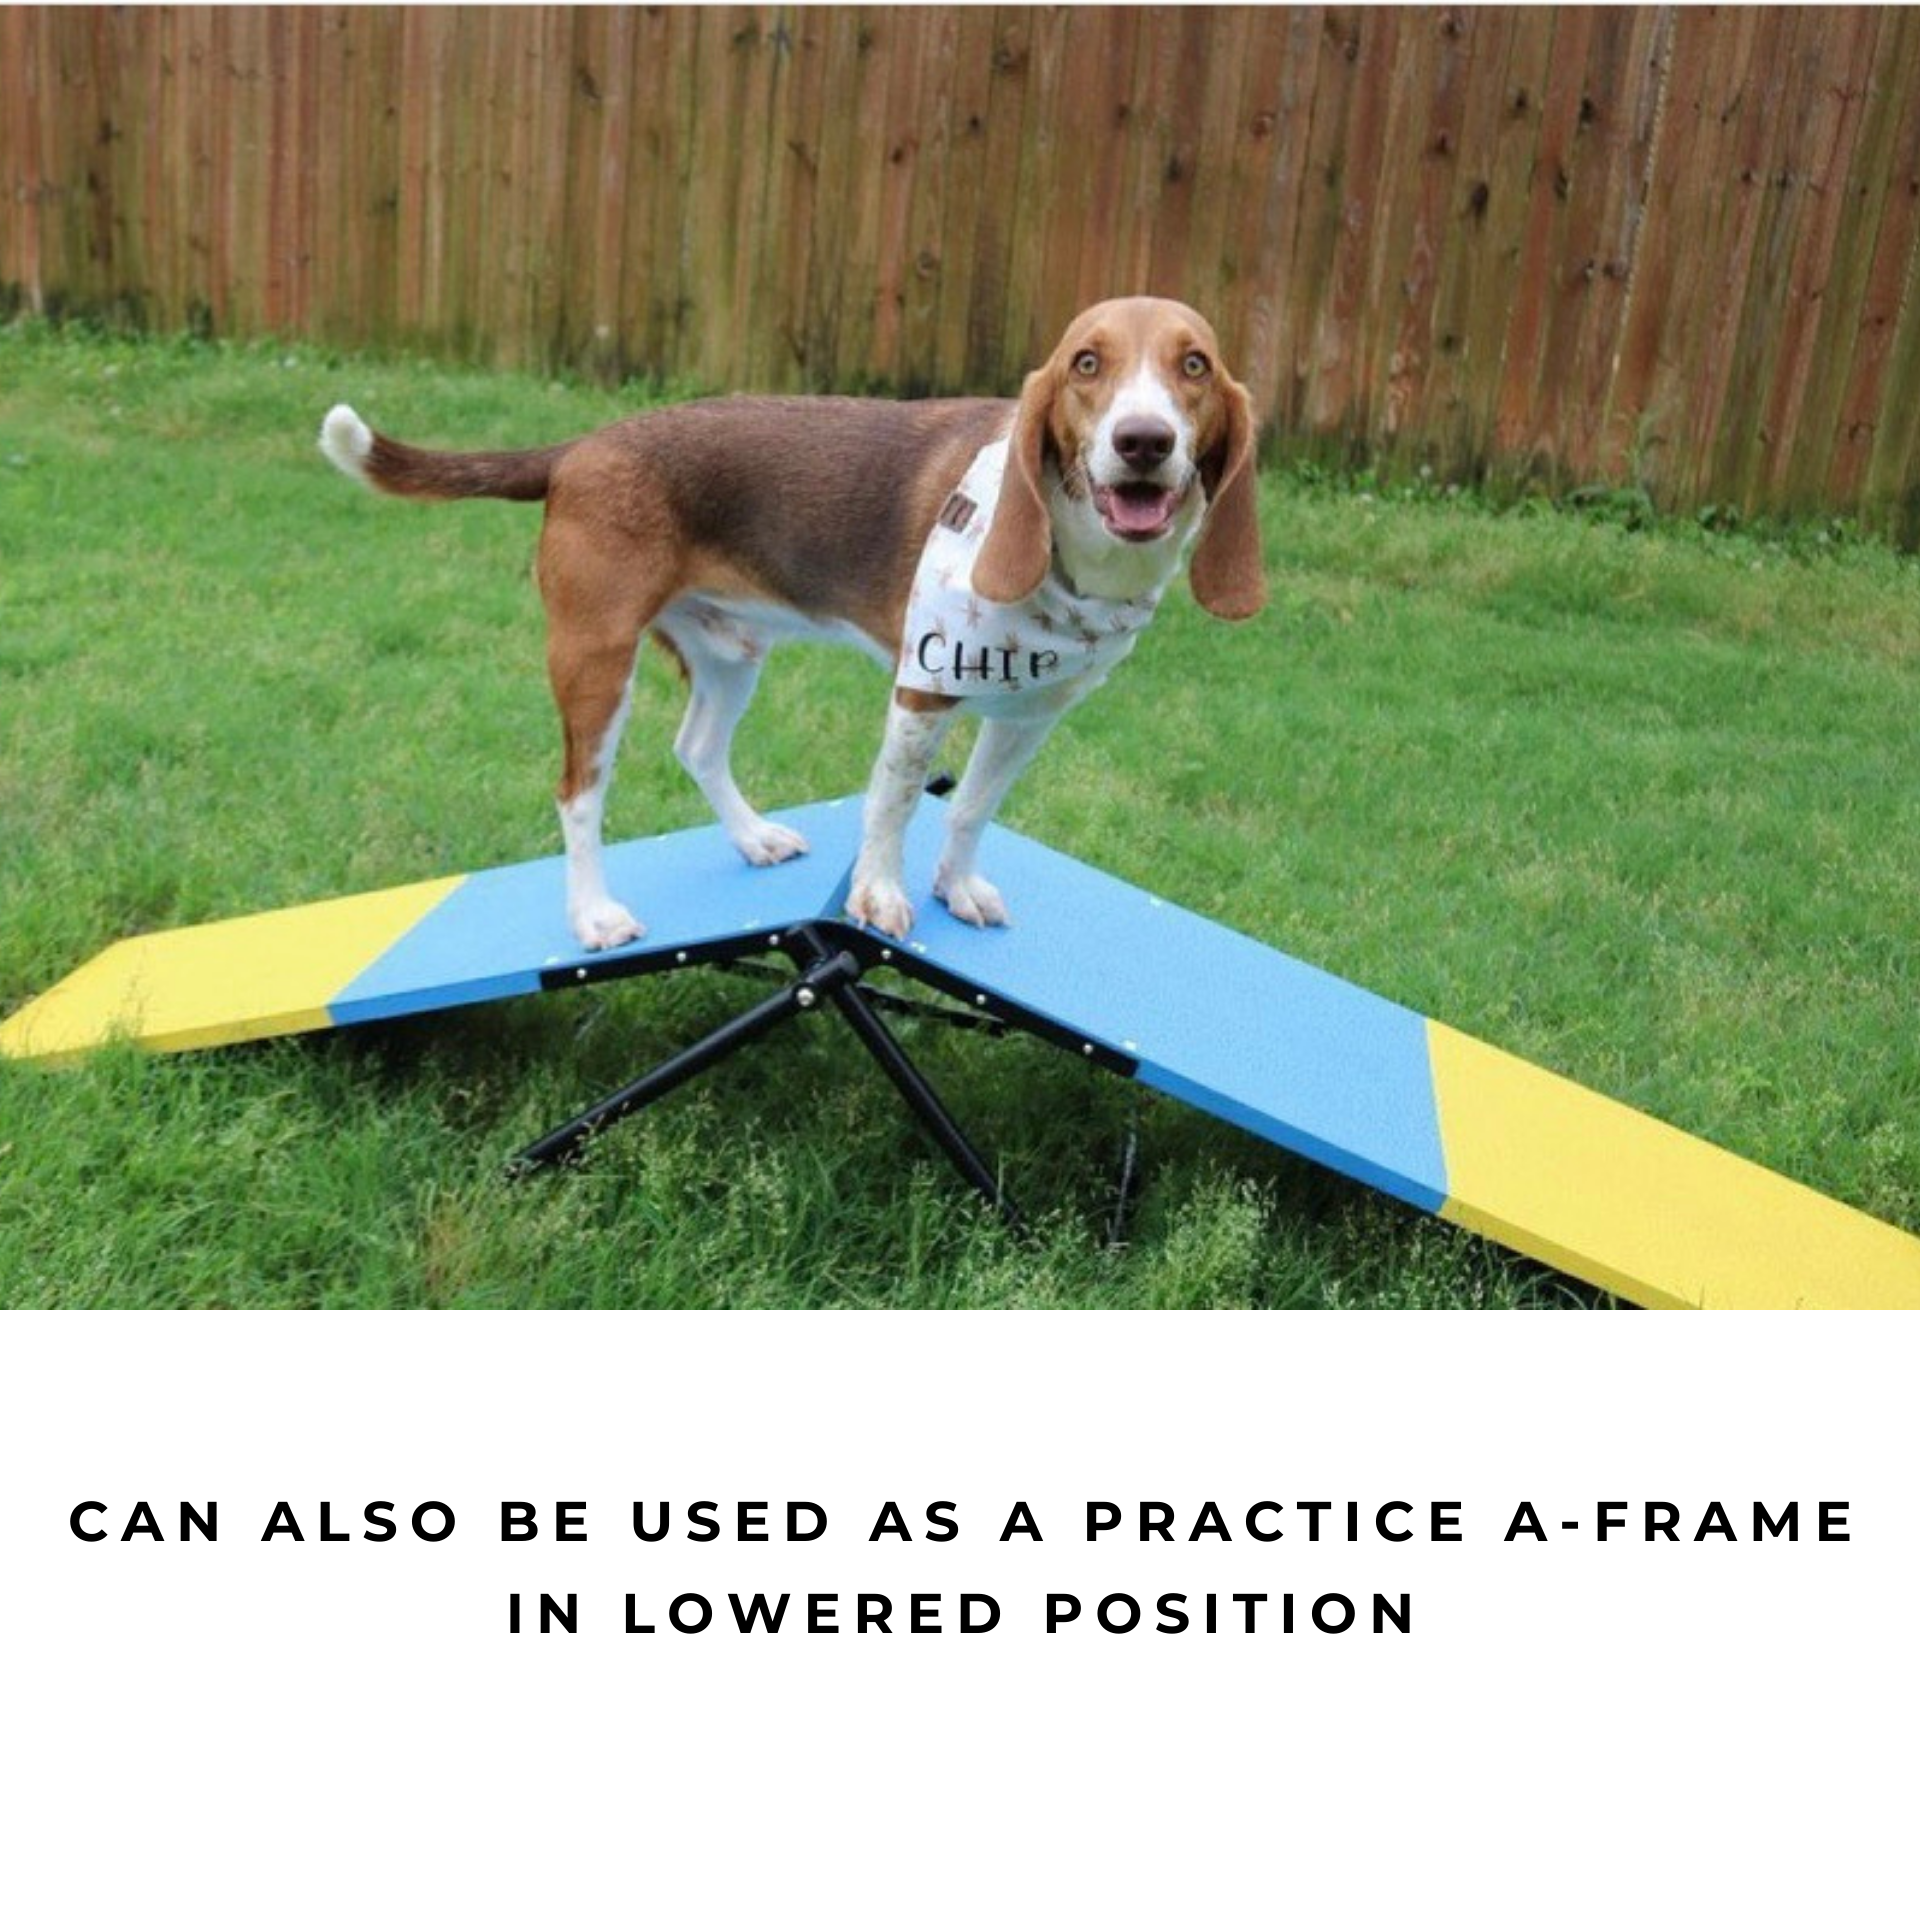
(966, 192)
(1318, 222)
(841, 248)
(1790, 440)
(1798, 113)
(716, 109)
(72, 120)
(1893, 470)
(148, 105)
(119, 228)
(553, 82)
(1716, 424)
(801, 216)
(923, 266)
(1143, 129)
(326, 307)
(1409, 87)
(1517, 441)
(760, 75)
(1172, 205)
(987, 353)
(900, 123)
(1330, 268)
(1266, 195)
(1073, 70)
(241, 205)
(657, 249)
(280, 242)
(1893, 178)
(1630, 98)
(1689, 229)
(585, 331)
(415, 25)
(1662, 266)
(1853, 205)
(387, 186)
(1041, 293)
(52, 175)
(20, 170)
(1221, 48)
(178, 159)
(1462, 241)
(1595, 168)
(1031, 291)
(1085, 72)
(1109, 58)
(520, 110)
(1499, 133)
(1406, 381)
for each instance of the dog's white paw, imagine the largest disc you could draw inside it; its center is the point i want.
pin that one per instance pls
(973, 899)
(765, 843)
(881, 905)
(602, 924)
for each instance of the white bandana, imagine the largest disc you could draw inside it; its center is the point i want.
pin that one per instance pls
(957, 643)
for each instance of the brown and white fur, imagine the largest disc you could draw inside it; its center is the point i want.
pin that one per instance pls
(728, 526)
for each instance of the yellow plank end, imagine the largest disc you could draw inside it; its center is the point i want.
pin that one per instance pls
(1612, 1196)
(247, 979)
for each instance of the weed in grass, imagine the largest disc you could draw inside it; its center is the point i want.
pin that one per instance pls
(1633, 799)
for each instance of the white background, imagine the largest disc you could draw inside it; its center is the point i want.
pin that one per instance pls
(290, 1729)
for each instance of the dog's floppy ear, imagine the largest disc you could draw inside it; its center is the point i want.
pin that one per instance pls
(1018, 549)
(1226, 575)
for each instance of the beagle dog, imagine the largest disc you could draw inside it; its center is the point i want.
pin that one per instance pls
(993, 555)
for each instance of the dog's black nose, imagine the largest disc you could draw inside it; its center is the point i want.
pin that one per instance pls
(1142, 441)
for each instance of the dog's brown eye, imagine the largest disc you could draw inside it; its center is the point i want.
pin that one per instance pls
(1086, 363)
(1196, 366)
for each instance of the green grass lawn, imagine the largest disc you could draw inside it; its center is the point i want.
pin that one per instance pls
(1642, 805)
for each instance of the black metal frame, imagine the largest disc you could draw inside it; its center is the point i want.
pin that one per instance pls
(832, 959)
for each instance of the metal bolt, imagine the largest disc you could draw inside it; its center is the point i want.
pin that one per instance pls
(806, 1000)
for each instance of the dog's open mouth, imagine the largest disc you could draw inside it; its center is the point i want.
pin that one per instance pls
(1137, 509)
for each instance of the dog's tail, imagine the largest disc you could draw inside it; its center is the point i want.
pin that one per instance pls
(393, 467)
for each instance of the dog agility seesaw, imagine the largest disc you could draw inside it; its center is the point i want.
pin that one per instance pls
(1130, 982)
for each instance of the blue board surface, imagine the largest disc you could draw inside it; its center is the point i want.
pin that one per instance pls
(1237, 1029)
(500, 930)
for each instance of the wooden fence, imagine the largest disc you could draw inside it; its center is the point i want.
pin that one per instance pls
(1668, 247)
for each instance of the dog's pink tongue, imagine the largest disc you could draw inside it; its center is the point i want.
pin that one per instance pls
(1137, 509)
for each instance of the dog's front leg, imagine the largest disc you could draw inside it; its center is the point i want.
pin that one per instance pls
(916, 724)
(999, 757)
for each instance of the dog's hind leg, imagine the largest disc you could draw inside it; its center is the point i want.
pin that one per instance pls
(595, 614)
(593, 709)
(723, 661)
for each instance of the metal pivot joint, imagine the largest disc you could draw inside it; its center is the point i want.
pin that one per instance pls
(832, 961)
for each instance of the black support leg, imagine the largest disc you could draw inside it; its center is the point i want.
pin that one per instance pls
(566, 1140)
(928, 1108)
(830, 975)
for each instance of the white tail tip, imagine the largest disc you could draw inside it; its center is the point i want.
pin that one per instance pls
(347, 440)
